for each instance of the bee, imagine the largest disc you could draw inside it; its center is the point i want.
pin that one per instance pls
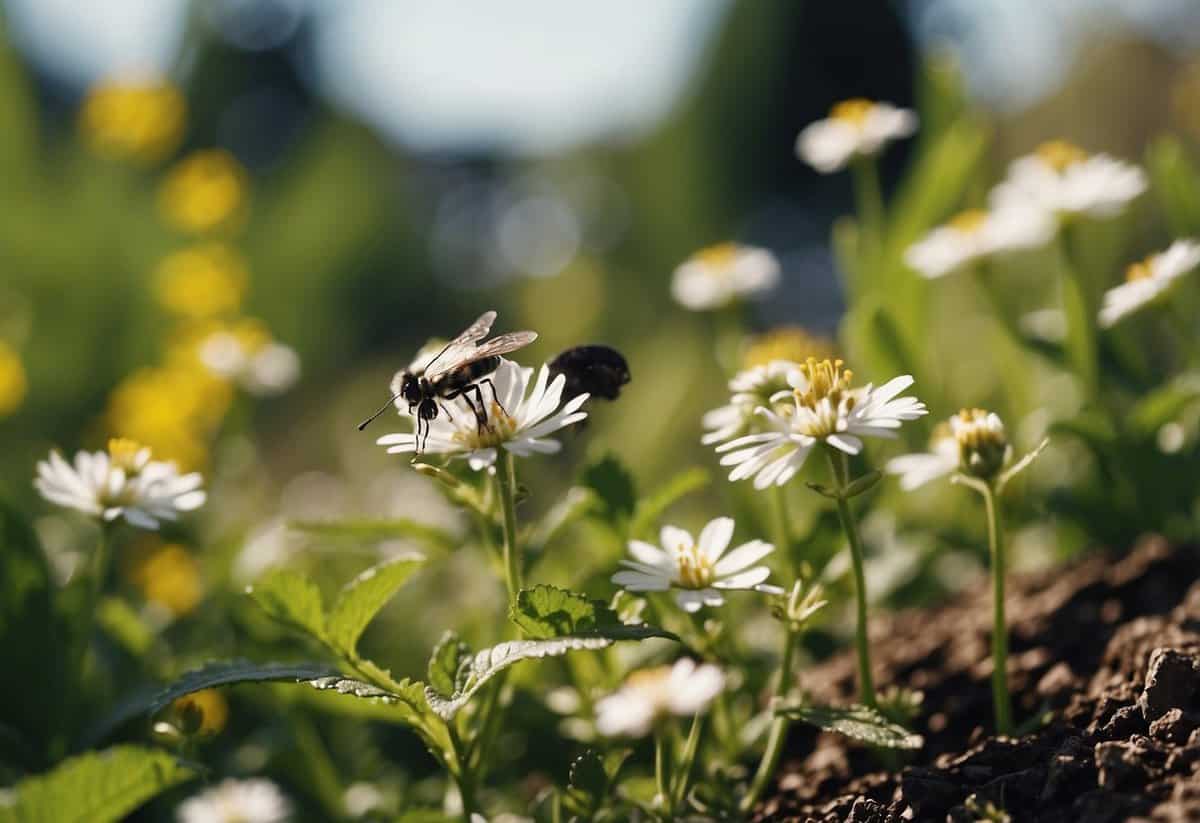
(599, 370)
(461, 367)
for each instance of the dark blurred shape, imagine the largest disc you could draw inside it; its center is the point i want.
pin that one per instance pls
(598, 370)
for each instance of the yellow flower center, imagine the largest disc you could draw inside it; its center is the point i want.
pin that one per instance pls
(853, 112)
(499, 428)
(969, 221)
(1059, 154)
(1141, 270)
(719, 256)
(695, 569)
(826, 379)
(122, 453)
(786, 343)
(982, 445)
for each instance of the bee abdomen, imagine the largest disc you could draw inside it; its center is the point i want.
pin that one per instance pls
(468, 374)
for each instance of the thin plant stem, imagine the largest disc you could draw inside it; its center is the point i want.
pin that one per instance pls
(781, 523)
(683, 774)
(1000, 697)
(841, 474)
(1080, 311)
(506, 482)
(778, 733)
(462, 774)
(868, 196)
(661, 776)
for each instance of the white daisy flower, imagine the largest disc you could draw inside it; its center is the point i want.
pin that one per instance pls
(237, 801)
(975, 235)
(652, 695)
(516, 422)
(261, 367)
(717, 275)
(699, 569)
(1065, 180)
(826, 409)
(973, 442)
(854, 127)
(748, 389)
(122, 482)
(1149, 279)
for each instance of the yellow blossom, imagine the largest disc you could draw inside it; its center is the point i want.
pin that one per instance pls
(204, 191)
(168, 575)
(202, 281)
(1059, 154)
(139, 121)
(13, 384)
(786, 343)
(173, 409)
(212, 707)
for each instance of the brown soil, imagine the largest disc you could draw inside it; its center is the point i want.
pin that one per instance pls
(1107, 650)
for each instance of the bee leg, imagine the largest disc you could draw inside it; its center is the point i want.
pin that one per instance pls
(491, 386)
(480, 414)
(449, 416)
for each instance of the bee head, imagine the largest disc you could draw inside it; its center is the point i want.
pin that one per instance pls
(410, 388)
(428, 409)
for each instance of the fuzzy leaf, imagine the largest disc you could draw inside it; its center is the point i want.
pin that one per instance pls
(856, 722)
(613, 485)
(364, 596)
(488, 663)
(96, 787)
(374, 531)
(444, 664)
(407, 697)
(291, 598)
(545, 612)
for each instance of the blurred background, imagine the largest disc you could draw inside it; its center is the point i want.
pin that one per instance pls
(344, 179)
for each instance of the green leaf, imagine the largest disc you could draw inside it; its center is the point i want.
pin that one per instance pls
(226, 673)
(1164, 405)
(124, 625)
(447, 659)
(614, 487)
(409, 700)
(1080, 343)
(860, 723)
(545, 612)
(488, 663)
(652, 507)
(96, 787)
(1176, 181)
(364, 596)
(291, 598)
(374, 531)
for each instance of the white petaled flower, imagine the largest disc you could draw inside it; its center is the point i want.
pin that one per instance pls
(716, 276)
(975, 235)
(854, 127)
(261, 367)
(652, 695)
(825, 409)
(1148, 280)
(1065, 180)
(749, 389)
(120, 482)
(519, 422)
(973, 442)
(237, 801)
(700, 569)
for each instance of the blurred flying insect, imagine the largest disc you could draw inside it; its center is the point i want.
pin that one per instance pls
(599, 370)
(461, 367)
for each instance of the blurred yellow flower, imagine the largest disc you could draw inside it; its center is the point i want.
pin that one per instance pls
(166, 574)
(142, 122)
(204, 191)
(202, 281)
(786, 343)
(13, 384)
(212, 706)
(170, 408)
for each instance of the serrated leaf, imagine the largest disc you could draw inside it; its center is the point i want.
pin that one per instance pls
(362, 598)
(407, 697)
(652, 507)
(488, 663)
(447, 659)
(545, 612)
(860, 723)
(291, 598)
(226, 673)
(373, 531)
(613, 486)
(96, 787)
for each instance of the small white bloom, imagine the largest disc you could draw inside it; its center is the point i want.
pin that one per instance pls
(650, 695)
(1065, 180)
(261, 367)
(825, 409)
(1146, 281)
(716, 276)
(700, 569)
(518, 423)
(854, 127)
(237, 801)
(975, 235)
(122, 482)
(748, 389)
(973, 441)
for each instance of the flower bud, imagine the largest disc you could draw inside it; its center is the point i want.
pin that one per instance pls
(983, 447)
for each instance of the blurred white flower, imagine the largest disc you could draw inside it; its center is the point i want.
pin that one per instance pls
(717, 275)
(262, 368)
(650, 695)
(1146, 281)
(237, 801)
(700, 569)
(975, 235)
(1062, 179)
(854, 127)
(122, 482)
(517, 423)
(973, 441)
(748, 389)
(825, 409)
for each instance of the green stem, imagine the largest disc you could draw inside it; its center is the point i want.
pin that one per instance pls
(660, 773)
(841, 474)
(1000, 697)
(781, 524)
(868, 197)
(683, 774)
(778, 733)
(1080, 311)
(506, 482)
(462, 774)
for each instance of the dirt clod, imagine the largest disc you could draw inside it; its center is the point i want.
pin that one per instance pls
(1171, 680)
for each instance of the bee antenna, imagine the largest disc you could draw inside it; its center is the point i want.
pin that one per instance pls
(367, 422)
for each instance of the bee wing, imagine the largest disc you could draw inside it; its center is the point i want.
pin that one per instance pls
(462, 346)
(503, 344)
